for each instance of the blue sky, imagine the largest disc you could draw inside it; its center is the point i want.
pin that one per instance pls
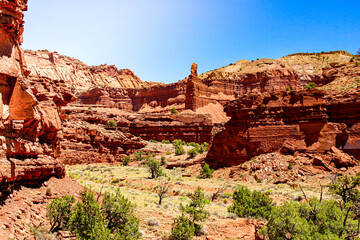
(160, 39)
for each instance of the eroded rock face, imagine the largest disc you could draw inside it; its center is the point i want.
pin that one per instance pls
(189, 127)
(297, 121)
(87, 136)
(30, 120)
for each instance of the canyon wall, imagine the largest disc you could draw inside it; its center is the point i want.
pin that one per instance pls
(289, 121)
(29, 114)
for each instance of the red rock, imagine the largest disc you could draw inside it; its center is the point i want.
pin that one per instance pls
(312, 121)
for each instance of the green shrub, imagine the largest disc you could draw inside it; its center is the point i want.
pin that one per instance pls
(139, 155)
(153, 141)
(250, 204)
(174, 111)
(111, 123)
(168, 153)
(119, 218)
(179, 150)
(89, 107)
(125, 160)
(163, 161)
(59, 211)
(288, 88)
(206, 171)
(178, 142)
(310, 85)
(195, 209)
(86, 220)
(154, 168)
(166, 141)
(313, 220)
(290, 166)
(192, 152)
(182, 229)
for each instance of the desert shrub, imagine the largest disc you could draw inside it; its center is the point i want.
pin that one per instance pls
(178, 142)
(174, 111)
(310, 85)
(195, 209)
(182, 229)
(193, 144)
(206, 171)
(163, 161)
(290, 166)
(313, 220)
(139, 155)
(59, 211)
(125, 160)
(166, 141)
(179, 150)
(287, 88)
(202, 148)
(89, 107)
(111, 123)
(86, 220)
(192, 152)
(168, 153)
(119, 218)
(250, 204)
(154, 167)
(153, 141)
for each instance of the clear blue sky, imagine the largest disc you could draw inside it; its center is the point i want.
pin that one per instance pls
(160, 39)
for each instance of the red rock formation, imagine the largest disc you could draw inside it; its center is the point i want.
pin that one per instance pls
(75, 75)
(188, 127)
(312, 121)
(30, 121)
(87, 137)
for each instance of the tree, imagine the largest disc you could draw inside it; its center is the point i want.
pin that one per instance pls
(86, 220)
(119, 218)
(154, 167)
(184, 227)
(59, 211)
(162, 189)
(250, 204)
(196, 207)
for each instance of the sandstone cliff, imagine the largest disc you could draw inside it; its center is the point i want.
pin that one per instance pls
(29, 115)
(295, 121)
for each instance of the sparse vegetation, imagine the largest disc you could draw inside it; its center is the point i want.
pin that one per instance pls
(90, 108)
(188, 224)
(206, 171)
(111, 123)
(113, 219)
(192, 152)
(250, 204)
(179, 150)
(310, 85)
(125, 160)
(288, 88)
(154, 168)
(174, 111)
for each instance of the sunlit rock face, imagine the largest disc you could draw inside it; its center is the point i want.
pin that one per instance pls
(30, 122)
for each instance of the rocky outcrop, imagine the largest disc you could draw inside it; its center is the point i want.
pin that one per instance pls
(296, 121)
(30, 121)
(88, 137)
(75, 75)
(189, 127)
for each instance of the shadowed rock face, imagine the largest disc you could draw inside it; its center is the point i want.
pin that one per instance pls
(30, 120)
(297, 121)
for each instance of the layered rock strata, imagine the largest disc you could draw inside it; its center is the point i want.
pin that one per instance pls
(296, 121)
(29, 116)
